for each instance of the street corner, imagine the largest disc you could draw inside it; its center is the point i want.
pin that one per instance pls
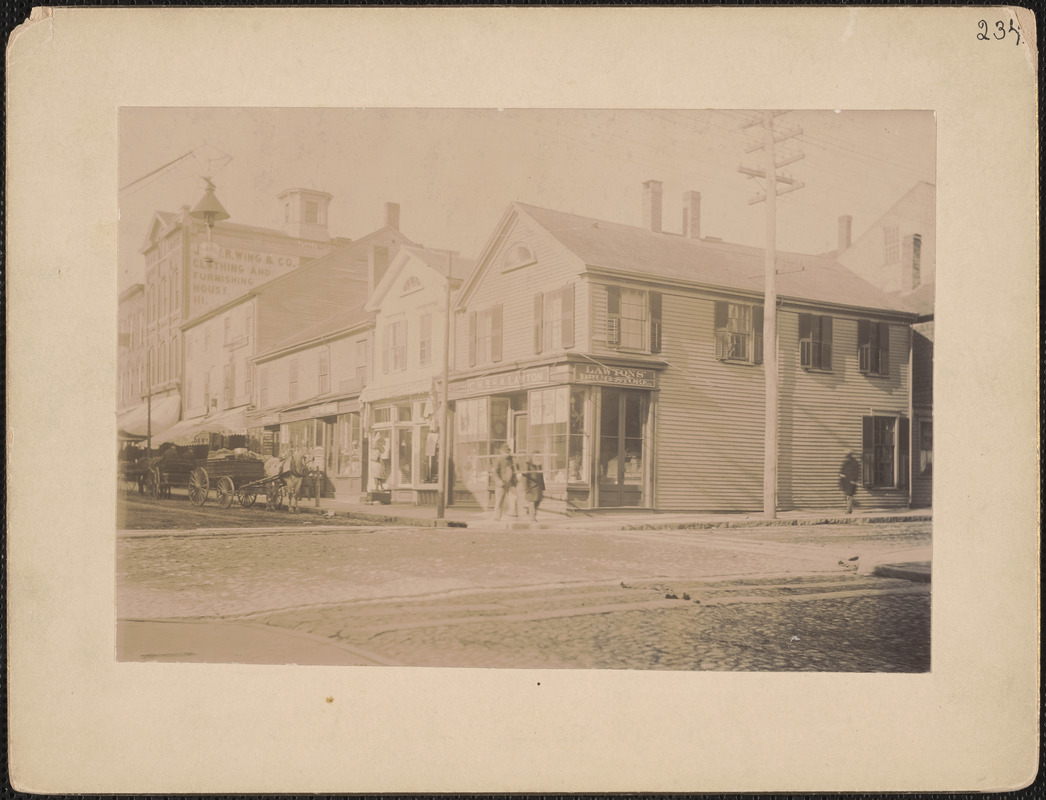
(917, 571)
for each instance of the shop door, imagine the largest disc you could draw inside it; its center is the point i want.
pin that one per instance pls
(622, 420)
(519, 434)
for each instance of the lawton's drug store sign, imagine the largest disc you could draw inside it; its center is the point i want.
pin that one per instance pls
(228, 272)
(615, 376)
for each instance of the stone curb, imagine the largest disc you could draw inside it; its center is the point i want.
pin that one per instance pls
(918, 571)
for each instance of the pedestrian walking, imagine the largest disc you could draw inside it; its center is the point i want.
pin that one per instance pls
(504, 474)
(848, 474)
(534, 486)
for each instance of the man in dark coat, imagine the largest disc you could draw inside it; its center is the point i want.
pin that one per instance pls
(504, 474)
(848, 475)
(534, 486)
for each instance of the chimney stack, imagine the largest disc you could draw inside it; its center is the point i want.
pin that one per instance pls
(845, 222)
(652, 205)
(692, 214)
(392, 215)
(377, 263)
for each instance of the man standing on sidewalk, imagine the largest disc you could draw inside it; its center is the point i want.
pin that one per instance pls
(848, 474)
(504, 478)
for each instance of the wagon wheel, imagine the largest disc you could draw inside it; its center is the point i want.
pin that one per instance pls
(274, 498)
(226, 491)
(199, 485)
(247, 497)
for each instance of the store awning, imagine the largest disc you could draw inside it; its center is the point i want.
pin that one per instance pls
(188, 431)
(134, 425)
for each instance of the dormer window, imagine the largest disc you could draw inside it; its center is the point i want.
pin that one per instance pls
(516, 256)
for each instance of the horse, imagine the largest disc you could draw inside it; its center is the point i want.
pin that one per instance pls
(292, 470)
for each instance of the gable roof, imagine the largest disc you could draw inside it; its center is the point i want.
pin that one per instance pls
(642, 253)
(436, 260)
(339, 322)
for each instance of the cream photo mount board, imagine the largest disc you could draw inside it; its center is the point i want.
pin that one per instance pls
(81, 722)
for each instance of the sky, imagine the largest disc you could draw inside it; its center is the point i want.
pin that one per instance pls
(454, 171)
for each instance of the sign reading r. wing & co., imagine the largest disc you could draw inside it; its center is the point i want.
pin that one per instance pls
(615, 376)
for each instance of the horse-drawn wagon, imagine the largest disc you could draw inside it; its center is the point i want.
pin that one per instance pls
(233, 477)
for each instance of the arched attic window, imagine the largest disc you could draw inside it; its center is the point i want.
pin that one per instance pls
(412, 284)
(516, 256)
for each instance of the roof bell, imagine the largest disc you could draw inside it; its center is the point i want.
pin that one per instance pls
(208, 209)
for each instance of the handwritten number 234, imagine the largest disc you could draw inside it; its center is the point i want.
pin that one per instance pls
(1000, 31)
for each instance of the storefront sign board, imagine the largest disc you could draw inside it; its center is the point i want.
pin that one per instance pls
(615, 376)
(506, 381)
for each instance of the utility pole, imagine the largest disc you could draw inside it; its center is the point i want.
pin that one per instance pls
(770, 370)
(149, 401)
(444, 438)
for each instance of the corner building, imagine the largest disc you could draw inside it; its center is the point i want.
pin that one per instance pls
(629, 363)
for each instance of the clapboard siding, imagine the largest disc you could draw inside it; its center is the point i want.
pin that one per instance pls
(820, 414)
(515, 290)
(709, 417)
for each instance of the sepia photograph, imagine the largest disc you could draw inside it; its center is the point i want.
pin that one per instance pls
(522, 400)
(525, 388)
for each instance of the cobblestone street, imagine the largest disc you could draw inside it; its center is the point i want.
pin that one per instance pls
(763, 598)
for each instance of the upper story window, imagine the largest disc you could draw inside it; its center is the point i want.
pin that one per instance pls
(873, 347)
(412, 284)
(554, 319)
(229, 383)
(394, 353)
(517, 255)
(362, 357)
(263, 385)
(292, 368)
(815, 342)
(324, 370)
(738, 332)
(633, 319)
(227, 335)
(310, 211)
(425, 339)
(485, 335)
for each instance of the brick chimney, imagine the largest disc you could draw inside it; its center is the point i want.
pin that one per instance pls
(377, 263)
(845, 224)
(392, 215)
(652, 205)
(692, 214)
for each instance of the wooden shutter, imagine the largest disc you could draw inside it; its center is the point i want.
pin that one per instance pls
(495, 333)
(539, 312)
(722, 320)
(567, 304)
(806, 358)
(864, 334)
(884, 348)
(472, 338)
(655, 322)
(826, 342)
(613, 316)
(757, 334)
(903, 449)
(385, 344)
(867, 450)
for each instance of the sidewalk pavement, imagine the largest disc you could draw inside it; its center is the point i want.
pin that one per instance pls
(455, 516)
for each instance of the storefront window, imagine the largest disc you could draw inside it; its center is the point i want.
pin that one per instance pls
(404, 455)
(578, 446)
(472, 443)
(299, 435)
(349, 445)
(429, 460)
(549, 411)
